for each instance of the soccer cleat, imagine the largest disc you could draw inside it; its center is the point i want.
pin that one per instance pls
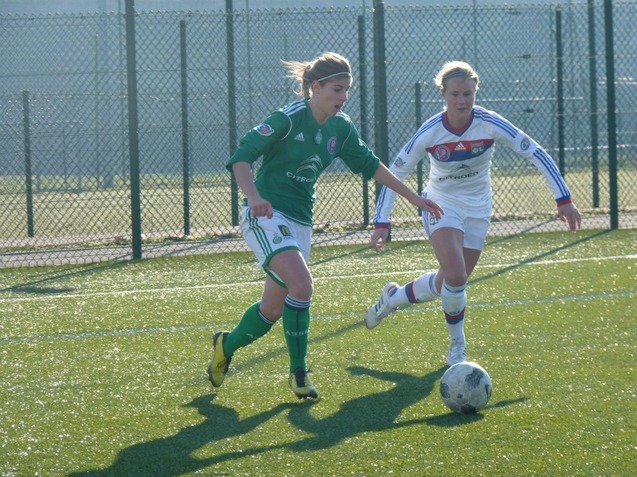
(457, 352)
(218, 367)
(301, 384)
(381, 309)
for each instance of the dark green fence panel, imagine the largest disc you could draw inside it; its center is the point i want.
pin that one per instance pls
(68, 191)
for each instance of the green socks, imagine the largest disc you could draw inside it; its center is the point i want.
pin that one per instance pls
(296, 326)
(253, 325)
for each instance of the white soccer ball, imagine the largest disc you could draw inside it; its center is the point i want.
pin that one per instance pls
(465, 387)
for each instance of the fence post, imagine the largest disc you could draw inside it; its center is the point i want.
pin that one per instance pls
(185, 149)
(232, 107)
(380, 84)
(419, 172)
(560, 88)
(592, 66)
(612, 119)
(362, 80)
(133, 133)
(27, 162)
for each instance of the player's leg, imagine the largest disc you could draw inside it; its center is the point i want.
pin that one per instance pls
(292, 269)
(424, 288)
(454, 296)
(448, 245)
(258, 319)
(290, 266)
(263, 235)
(420, 290)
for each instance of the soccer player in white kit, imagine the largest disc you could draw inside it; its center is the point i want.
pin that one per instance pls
(460, 142)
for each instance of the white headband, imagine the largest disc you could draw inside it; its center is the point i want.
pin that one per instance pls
(335, 74)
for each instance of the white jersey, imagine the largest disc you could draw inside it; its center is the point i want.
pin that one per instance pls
(460, 162)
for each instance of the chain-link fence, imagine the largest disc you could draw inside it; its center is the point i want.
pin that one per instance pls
(203, 79)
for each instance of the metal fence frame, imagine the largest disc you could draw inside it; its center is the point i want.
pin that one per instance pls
(148, 114)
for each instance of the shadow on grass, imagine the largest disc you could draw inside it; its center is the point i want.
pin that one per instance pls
(378, 411)
(42, 285)
(538, 257)
(173, 455)
(453, 419)
(372, 412)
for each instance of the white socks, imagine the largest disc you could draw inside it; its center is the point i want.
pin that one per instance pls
(420, 290)
(454, 301)
(423, 289)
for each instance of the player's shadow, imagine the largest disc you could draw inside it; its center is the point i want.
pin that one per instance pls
(49, 282)
(173, 455)
(536, 258)
(369, 413)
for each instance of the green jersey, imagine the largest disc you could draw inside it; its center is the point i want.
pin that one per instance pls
(295, 151)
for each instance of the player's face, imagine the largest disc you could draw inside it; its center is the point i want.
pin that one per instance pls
(460, 96)
(328, 99)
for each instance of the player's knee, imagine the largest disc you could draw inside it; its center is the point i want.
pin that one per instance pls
(301, 289)
(271, 312)
(456, 279)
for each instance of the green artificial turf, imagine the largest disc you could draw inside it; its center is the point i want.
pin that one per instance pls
(103, 367)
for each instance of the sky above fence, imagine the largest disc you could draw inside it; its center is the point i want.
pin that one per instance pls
(11, 7)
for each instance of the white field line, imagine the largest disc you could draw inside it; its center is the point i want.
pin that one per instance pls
(354, 314)
(252, 282)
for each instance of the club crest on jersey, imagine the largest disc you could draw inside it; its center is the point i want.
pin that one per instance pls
(477, 148)
(442, 153)
(331, 145)
(264, 129)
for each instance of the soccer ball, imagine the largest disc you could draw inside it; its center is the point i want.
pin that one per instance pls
(465, 387)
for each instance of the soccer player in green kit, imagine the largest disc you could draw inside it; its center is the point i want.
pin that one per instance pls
(297, 143)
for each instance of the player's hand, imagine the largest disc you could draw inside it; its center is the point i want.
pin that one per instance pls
(259, 207)
(569, 214)
(429, 205)
(379, 238)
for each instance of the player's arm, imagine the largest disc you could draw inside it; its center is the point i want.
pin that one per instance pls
(389, 180)
(406, 160)
(253, 145)
(524, 145)
(259, 207)
(569, 214)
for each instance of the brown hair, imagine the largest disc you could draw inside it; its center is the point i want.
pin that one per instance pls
(455, 69)
(328, 65)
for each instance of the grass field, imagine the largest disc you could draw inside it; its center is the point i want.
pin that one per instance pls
(103, 368)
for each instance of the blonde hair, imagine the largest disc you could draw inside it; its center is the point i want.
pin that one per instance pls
(455, 69)
(327, 66)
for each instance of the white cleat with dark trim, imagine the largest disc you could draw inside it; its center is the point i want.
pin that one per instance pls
(457, 352)
(381, 309)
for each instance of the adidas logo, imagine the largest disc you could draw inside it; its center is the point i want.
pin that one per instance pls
(299, 137)
(460, 147)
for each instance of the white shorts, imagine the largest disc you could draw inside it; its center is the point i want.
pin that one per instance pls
(474, 224)
(267, 237)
